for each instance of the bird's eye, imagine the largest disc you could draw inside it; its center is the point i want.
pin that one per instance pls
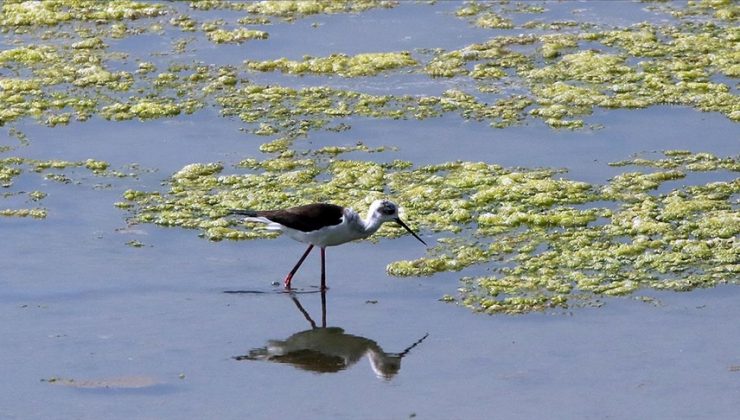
(388, 210)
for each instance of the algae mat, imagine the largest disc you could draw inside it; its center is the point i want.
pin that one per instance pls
(526, 228)
(562, 158)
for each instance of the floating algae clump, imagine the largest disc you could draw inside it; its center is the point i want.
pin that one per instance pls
(147, 109)
(238, 35)
(482, 15)
(53, 12)
(14, 167)
(293, 112)
(545, 242)
(9, 169)
(368, 64)
(552, 44)
(674, 67)
(446, 65)
(557, 75)
(494, 21)
(34, 213)
(292, 9)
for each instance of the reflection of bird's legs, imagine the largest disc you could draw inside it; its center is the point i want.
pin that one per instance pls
(304, 312)
(323, 268)
(289, 277)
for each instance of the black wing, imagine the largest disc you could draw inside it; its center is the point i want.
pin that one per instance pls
(306, 218)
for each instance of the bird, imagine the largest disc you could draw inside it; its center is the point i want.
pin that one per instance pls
(324, 225)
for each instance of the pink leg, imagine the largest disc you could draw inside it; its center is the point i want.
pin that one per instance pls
(323, 308)
(289, 277)
(323, 269)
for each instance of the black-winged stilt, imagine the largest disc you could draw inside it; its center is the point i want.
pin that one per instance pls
(325, 225)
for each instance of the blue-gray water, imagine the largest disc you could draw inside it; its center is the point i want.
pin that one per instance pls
(77, 303)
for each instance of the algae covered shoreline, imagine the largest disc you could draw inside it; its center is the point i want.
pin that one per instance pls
(545, 241)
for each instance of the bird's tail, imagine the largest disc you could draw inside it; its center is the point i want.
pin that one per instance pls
(254, 216)
(248, 213)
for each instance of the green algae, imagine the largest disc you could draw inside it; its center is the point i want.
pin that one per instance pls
(527, 227)
(496, 52)
(147, 109)
(294, 112)
(677, 158)
(238, 35)
(33, 213)
(493, 21)
(185, 23)
(294, 9)
(261, 12)
(675, 67)
(646, 65)
(448, 64)
(12, 168)
(368, 64)
(553, 44)
(483, 15)
(719, 9)
(9, 169)
(540, 236)
(17, 13)
(27, 56)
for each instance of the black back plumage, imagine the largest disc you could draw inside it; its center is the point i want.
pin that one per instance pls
(304, 218)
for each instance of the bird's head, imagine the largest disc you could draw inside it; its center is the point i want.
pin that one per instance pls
(387, 211)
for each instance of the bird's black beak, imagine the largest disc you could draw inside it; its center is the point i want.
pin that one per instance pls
(400, 222)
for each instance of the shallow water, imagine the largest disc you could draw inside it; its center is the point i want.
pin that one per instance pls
(148, 333)
(95, 309)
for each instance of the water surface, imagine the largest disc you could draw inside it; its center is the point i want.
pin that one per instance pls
(148, 332)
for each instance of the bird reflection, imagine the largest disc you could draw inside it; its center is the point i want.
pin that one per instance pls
(328, 349)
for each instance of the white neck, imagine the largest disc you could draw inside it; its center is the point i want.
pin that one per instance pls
(371, 224)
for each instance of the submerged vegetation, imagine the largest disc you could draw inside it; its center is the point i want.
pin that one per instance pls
(543, 240)
(340, 64)
(53, 170)
(523, 239)
(559, 76)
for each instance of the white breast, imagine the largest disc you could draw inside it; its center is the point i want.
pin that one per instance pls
(350, 229)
